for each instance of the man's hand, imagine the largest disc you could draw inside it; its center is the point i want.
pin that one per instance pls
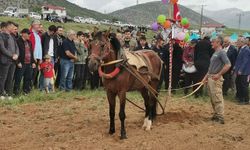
(216, 77)
(33, 65)
(15, 57)
(205, 79)
(19, 65)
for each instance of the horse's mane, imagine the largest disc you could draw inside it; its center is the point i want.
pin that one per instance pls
(112, 37)
(115, 42)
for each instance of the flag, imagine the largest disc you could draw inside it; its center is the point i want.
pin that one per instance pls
(177, 14)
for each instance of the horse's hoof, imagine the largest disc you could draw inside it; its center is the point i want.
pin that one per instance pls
(148, 129)
(145, 124)
(123, 137)
(111, 132)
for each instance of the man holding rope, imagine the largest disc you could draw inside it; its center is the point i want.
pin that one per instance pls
(219, 65)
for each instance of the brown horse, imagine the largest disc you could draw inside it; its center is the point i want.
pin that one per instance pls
(105, 48)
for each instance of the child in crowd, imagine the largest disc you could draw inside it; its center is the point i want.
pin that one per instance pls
(48, 73)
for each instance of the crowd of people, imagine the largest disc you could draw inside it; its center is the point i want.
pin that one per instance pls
(33, 58)
(47, 60)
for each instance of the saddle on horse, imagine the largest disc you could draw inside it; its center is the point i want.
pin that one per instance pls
(141, 62)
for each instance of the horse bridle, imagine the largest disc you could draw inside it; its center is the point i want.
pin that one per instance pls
(104, 53)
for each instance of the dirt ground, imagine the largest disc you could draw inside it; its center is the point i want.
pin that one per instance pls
(83, 124)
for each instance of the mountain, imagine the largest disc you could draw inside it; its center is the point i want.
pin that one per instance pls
(230, 17)
(72, 9)
(145, 14)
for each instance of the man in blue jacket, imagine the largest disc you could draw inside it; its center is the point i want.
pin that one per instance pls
(242, 70)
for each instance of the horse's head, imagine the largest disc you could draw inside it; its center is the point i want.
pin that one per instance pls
(102, 49)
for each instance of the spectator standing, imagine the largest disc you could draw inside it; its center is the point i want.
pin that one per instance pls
(232, 55)
(25, 63)
(68, 57)
(80, 64)
(142, 43)
(47, 69)
(35, 38)
(162, 53)
(58, 40)
(128, 41)
(242, 70)
(219, 65)
(202, 54)
(9, 53)
(188, 59)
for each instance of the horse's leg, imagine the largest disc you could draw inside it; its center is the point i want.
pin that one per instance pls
(145, 95)
(122, 115)
(152, 103)
(111, 98)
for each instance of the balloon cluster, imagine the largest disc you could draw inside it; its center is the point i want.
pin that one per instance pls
(165, 24)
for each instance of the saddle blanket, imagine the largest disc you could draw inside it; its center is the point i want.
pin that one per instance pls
(136, 59)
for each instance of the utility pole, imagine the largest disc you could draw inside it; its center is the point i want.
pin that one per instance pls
(240, 15)
(202, 11)
(137, 2)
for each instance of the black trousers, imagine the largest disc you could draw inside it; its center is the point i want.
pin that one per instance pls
(242, 88)
(163, 78)
(79, 76)
(6, 78)
(227, 82)
(24, 73)
(189, 79)
(35, 75)
(58, 73)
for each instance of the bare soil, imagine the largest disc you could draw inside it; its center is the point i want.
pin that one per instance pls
(83, 124)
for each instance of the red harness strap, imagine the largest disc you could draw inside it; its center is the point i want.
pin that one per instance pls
(109, 75)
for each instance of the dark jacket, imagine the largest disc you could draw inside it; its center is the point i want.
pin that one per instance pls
(139, 47)
(21, 45)
(243, 61)
(45, 44)
(202, 54)
(6, 51)
(177, 57)
(232, 54)
(162, 53)
(59, 40)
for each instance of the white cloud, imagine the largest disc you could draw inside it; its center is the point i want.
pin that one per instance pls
(112, 5)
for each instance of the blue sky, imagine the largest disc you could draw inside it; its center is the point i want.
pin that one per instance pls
(112, 5)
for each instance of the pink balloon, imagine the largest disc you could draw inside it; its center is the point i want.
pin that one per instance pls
(181, 36)
(164, 1)
(155, 26)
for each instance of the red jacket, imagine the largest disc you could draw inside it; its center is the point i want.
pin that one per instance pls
(32, 38)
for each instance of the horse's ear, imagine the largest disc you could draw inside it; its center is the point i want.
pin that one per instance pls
(108, 32)
(95, 30)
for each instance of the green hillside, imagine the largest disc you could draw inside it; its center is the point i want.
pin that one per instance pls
(145, 14)
(72, 9)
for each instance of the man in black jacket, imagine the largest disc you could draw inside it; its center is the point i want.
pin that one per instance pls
(25, 63)
(58, 40)
(143, 44)
(232, 55)
(9, 53)
(161, 50)
(49, 44)
(202, 54)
